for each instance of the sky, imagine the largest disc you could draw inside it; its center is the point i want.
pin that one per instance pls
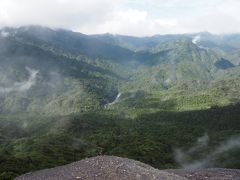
(128, 17)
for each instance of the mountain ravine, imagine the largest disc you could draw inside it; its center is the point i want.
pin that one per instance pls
(169, 101)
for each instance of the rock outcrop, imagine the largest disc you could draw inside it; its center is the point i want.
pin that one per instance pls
(116, 168)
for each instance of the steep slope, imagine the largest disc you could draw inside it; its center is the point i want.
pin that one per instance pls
(69, 42)
(74, 60)
(60, 85)
(175, 62)
(225, 45)
(65, 96)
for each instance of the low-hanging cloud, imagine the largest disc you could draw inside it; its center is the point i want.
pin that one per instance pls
(196, 40)
(182, 157)
(21, 86)
(4, 34)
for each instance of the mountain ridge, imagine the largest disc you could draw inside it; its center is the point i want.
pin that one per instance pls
(167, 101)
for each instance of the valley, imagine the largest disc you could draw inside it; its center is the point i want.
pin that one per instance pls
(165, 100)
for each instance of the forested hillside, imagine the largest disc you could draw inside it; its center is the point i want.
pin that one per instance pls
(167, 100)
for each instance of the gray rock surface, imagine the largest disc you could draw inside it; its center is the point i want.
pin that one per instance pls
(208, 174)
(116, 168)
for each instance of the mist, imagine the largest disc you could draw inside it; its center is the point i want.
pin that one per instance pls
(196, 39)
(4, 34)
(183, 157)
(22, 86)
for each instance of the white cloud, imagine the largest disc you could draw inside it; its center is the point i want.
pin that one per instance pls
(4, 34)
(132, 22)
(54, 13)
(132, 17)
(21, 86)
(218, 22)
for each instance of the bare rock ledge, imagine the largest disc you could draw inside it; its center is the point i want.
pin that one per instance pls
(116, 168)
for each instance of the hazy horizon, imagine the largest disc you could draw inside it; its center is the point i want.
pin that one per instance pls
(114, 34)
